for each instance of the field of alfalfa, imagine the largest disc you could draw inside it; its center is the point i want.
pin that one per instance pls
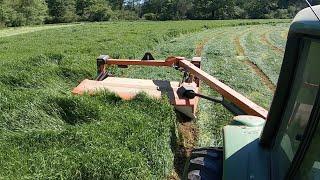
(47, 133)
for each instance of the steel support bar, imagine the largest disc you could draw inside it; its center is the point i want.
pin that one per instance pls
(136, 62)
(228, 93)
(168, 62)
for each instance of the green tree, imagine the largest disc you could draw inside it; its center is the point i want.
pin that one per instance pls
(62, 11)
(183, 7)
(202, 9)
(164, 9)
(81, 5)
(93, 10)
(98, 12)
(116, 4)
(22, 12)
(259, 9)
(35, 11)
(222, 9)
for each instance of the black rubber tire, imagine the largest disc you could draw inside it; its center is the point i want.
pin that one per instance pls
(204, 164)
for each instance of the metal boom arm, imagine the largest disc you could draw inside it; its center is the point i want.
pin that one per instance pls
(236, 98)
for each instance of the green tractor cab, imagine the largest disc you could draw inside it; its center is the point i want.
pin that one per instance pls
(287, 144)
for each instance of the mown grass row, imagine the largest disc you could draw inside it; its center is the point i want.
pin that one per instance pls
(222, 61)
(5, 32)
(47, 132)
(263, 53)
(278, 36)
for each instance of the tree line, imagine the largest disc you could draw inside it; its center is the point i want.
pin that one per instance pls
(32, 12)
(220, 9)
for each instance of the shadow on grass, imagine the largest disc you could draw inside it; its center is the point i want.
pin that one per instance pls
(83, 109)
(77, 110)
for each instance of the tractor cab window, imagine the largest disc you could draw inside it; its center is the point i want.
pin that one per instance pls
(310, 167)
(299, 107)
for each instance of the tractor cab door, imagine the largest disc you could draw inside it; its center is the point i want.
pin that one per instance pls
(291, 132)
(300, 119)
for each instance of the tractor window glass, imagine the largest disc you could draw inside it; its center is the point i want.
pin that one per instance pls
(310, 167)
(298, 110)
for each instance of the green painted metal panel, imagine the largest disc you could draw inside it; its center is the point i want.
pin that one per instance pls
(250, 121)
(243, 156)
(306, 22)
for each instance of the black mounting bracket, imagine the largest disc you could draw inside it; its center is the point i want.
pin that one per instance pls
(147, 56)
(189, 93)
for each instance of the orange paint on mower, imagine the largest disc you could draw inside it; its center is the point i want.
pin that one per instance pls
(127, 89)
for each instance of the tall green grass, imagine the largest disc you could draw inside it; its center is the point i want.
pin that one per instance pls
(100, 137)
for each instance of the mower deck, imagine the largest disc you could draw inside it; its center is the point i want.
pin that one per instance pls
(127, 89)
(183, 96)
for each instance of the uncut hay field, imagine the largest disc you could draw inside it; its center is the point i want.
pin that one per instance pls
(47, 133)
